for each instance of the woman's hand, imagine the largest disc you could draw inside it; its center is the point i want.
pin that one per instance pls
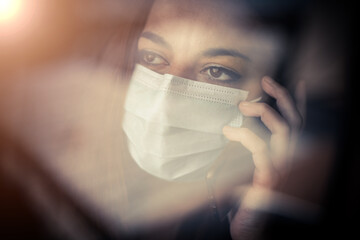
(272, 159)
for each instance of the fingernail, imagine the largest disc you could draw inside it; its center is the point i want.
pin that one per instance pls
(244, 103)
(268, 80)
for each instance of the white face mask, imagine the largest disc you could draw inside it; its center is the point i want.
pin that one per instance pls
(174, 125)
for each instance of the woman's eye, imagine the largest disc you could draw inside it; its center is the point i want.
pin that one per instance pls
(216, 73)
(151, 58)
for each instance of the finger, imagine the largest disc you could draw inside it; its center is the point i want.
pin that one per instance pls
(265, 174)
(272, 119)
(253, 143)
(284, 101)
(279, 143)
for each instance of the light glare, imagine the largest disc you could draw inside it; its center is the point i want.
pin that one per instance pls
(9, 9)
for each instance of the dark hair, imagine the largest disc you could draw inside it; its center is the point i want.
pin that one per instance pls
(286, 17)
(119, 52)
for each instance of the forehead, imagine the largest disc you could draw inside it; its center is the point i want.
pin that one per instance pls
(198, 24)
(209, 12)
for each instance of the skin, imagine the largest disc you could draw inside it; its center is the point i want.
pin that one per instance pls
(208, 45)
(201, 41)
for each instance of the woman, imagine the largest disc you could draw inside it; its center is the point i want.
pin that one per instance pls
(198, 63)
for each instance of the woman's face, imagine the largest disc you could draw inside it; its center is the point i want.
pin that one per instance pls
(207, 41)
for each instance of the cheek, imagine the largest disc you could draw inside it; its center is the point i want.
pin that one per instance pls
(254, 88)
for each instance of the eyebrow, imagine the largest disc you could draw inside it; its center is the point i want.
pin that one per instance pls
(212, 52)
(155, 38)
(215, 52)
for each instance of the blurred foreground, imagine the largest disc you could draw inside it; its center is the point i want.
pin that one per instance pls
(61, 91)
